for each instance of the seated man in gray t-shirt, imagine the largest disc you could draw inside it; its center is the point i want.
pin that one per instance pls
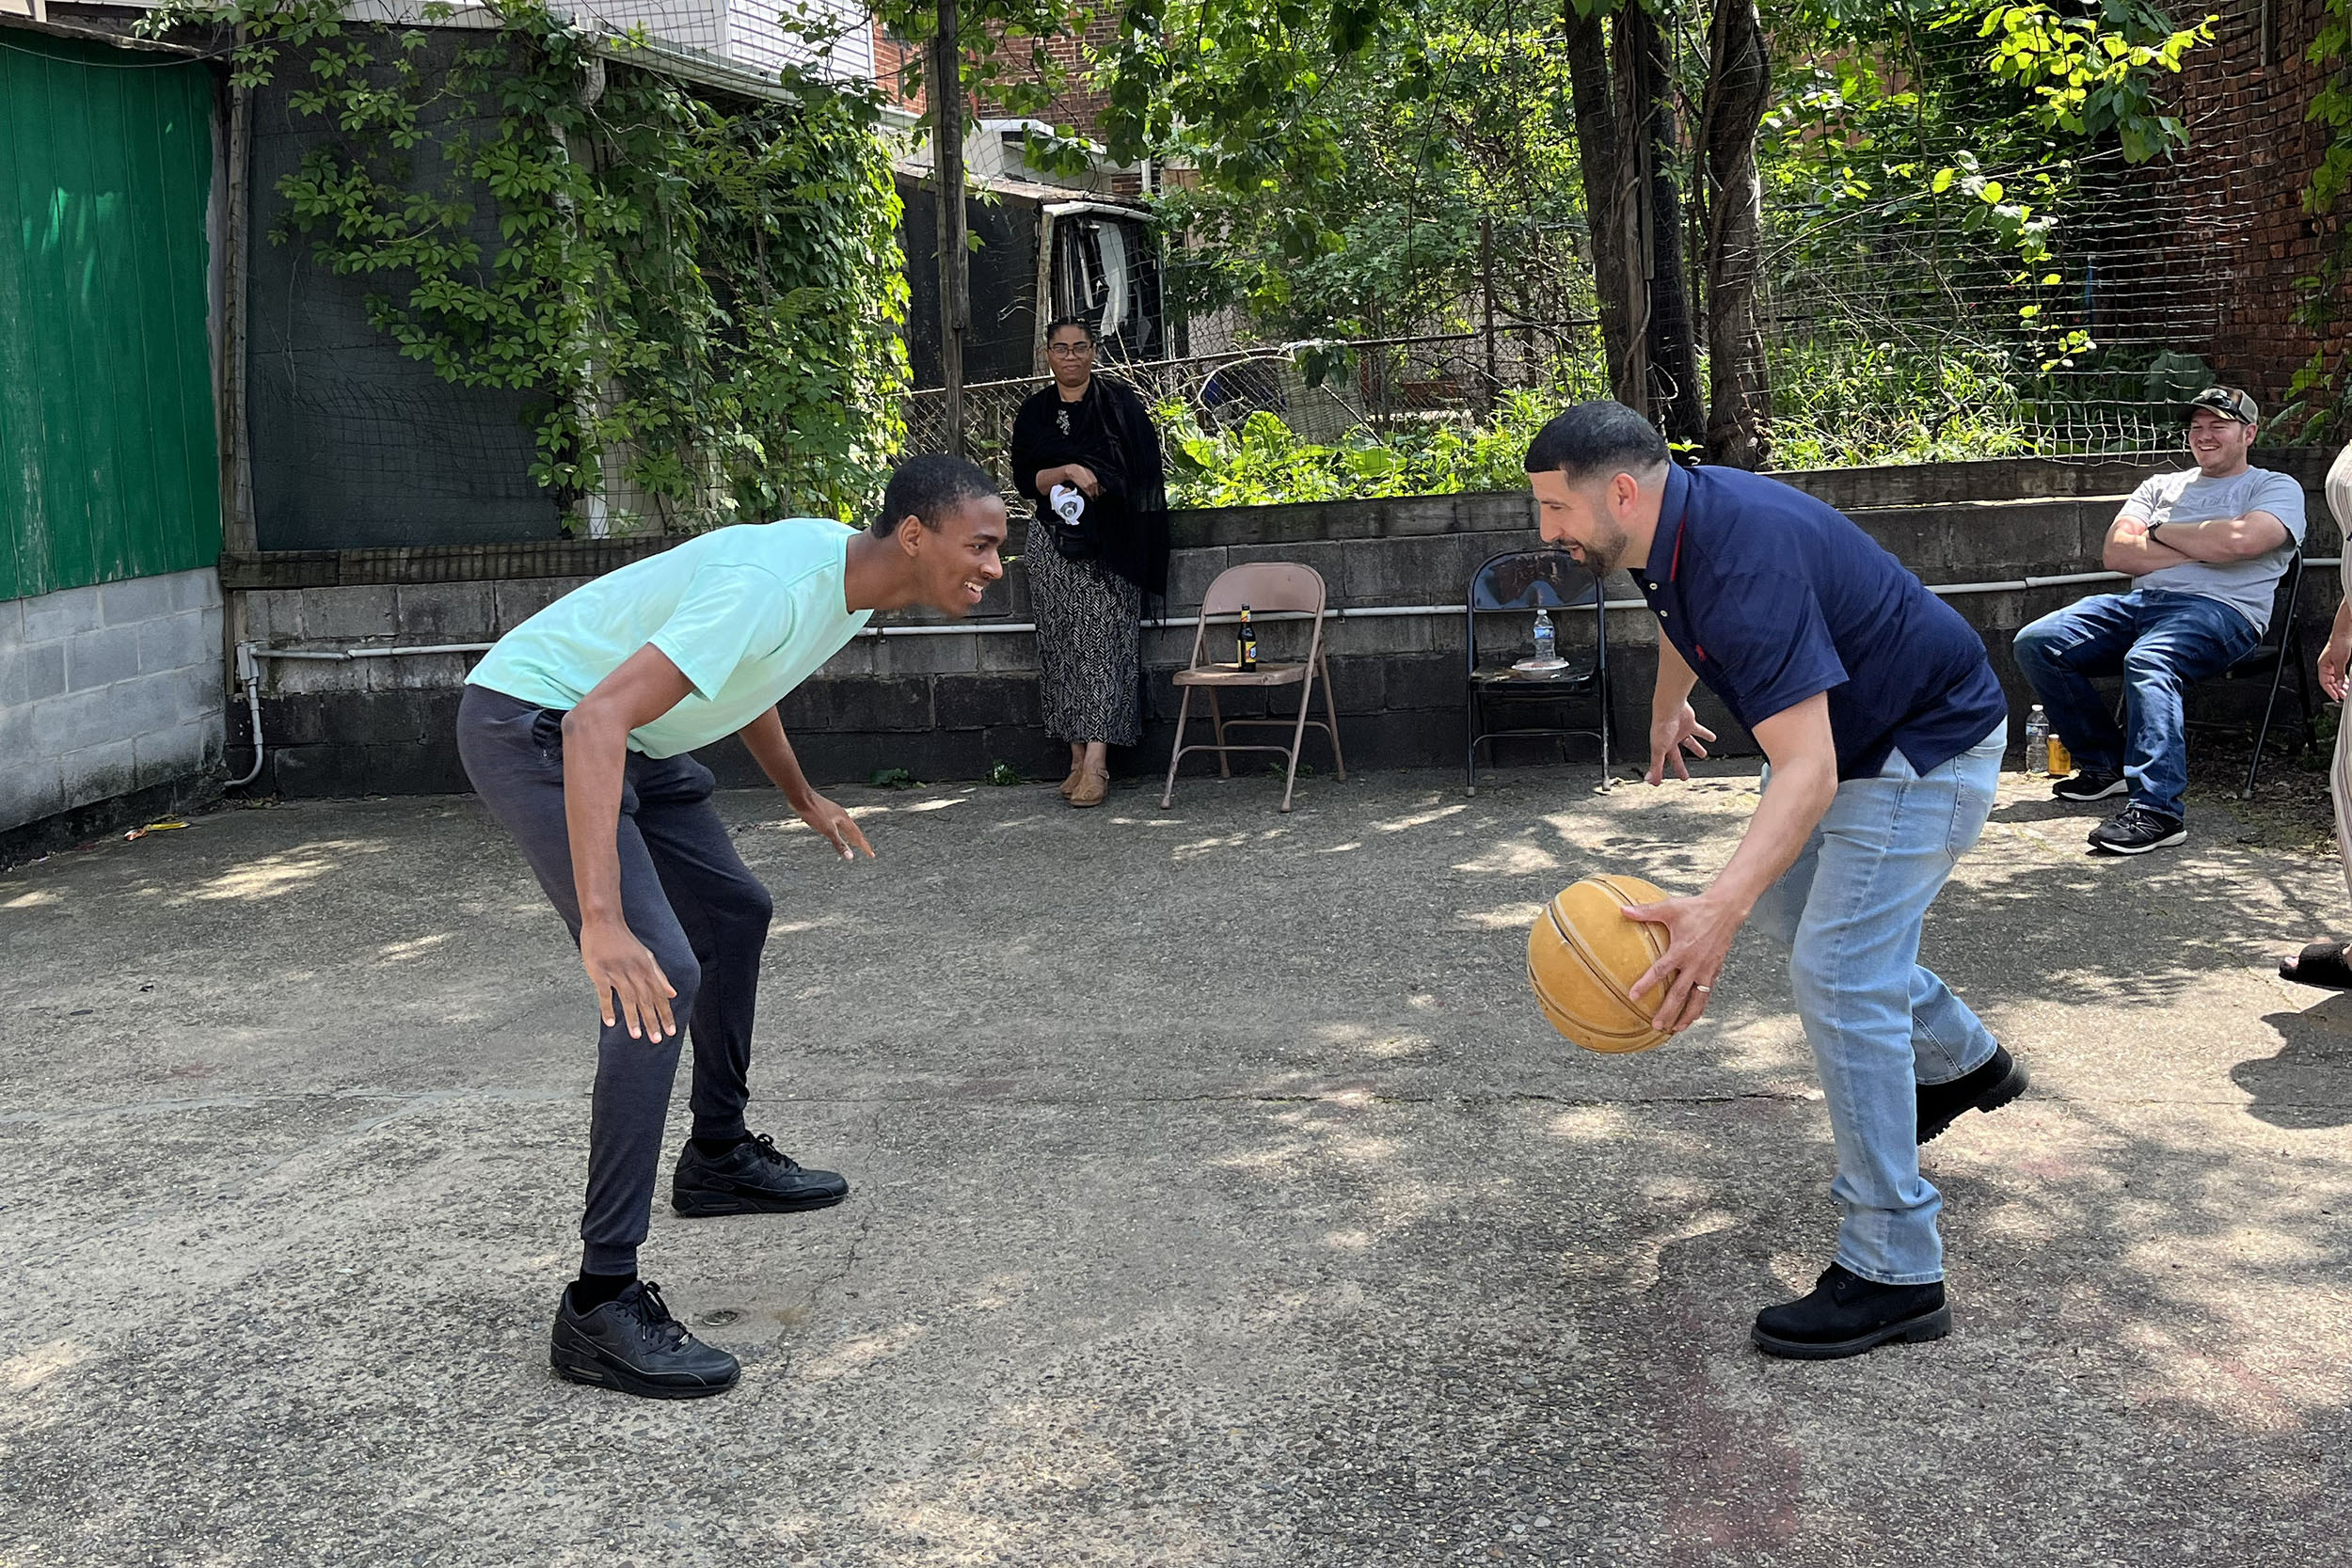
(2207, 546)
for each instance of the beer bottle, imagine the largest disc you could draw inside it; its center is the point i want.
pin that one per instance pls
(1248, 641)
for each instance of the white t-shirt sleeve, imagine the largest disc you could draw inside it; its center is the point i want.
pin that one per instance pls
(727, 615)
(2283, 497)
(2143, 501)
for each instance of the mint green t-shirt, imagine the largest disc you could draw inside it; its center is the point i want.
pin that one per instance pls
(746, 614)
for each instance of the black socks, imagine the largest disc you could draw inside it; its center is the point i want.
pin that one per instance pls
(592, 1290)
(710, 1148)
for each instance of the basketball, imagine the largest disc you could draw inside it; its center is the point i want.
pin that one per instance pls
(1583, 958)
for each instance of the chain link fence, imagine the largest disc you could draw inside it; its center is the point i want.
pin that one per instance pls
(1325, 390)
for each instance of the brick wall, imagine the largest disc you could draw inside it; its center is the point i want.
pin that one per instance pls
(1078, 105)
(2234, 194)
(107, 691)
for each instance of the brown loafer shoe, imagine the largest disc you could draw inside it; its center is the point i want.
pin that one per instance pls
(1070, 785)
(1091, 790)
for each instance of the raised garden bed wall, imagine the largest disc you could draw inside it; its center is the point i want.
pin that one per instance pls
(950, 705)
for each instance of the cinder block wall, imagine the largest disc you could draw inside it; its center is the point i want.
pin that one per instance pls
(108, 691)
(947, 706)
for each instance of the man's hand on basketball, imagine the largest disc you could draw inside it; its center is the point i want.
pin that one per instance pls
(1672, 735)
(620, 966)
(837, 827)
(1698, 938)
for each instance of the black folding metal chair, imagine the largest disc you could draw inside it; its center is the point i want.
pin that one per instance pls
(2281, 647)
(2268, 661)
(1522, 581)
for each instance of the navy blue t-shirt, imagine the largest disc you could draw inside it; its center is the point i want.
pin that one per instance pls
(1771, 596)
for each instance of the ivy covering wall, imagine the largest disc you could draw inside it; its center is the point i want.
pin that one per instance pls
(701, 294)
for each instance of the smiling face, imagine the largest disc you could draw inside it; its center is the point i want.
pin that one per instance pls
(953, 563)
(1070, 354)
(1589, 517)
(2219, 443)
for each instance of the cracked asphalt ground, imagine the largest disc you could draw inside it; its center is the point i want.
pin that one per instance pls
(1220, 1199)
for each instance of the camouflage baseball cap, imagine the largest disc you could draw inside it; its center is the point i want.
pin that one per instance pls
(2229, 402)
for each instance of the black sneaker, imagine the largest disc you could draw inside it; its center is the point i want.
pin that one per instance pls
(2136, 829)
(633, 1344)
(753, 1177)
(1990, 1087)
(2089, 786)
(1847, 1314)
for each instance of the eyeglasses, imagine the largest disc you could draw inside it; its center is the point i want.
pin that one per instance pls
(1070, 351)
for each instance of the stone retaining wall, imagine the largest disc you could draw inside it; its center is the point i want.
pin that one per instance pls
(949, 706)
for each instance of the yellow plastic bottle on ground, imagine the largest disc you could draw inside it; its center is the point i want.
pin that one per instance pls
(2062, 763)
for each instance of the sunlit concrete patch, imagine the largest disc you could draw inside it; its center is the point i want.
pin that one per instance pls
(28, 1371)
(1512, 859)
(1232, 1210)
(274, 875)
(1503, 917)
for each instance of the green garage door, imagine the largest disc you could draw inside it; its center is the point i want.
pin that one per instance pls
(108, 465)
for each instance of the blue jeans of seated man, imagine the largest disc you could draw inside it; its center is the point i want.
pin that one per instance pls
(2160, 642)
(1849, 910)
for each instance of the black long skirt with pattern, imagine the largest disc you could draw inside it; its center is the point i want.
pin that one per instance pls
(1089, 642)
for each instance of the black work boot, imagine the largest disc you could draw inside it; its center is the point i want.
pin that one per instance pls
(633, 1344)
(753, 1177)
(1990, 1087)
(1847, 1314)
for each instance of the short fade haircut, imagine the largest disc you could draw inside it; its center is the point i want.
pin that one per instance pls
(929, 487)
(1600, 438)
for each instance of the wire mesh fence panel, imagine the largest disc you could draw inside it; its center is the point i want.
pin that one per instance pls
(1327, 391)
(1940, 274)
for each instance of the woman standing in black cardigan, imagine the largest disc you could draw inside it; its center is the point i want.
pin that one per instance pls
(1084, 451)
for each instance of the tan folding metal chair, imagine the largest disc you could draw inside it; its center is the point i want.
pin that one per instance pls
(1267, 588)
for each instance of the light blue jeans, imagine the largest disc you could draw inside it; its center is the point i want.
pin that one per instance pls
(1849, 910)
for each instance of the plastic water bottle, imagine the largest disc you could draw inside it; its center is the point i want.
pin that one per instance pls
(1546, 641)
(2037, 742)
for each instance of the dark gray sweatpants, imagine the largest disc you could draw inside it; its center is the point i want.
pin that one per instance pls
(687, 895)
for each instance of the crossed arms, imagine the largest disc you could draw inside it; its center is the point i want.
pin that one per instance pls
(2130, 550)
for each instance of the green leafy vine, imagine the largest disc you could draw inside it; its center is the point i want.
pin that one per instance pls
(2319, 398)
(703, 294)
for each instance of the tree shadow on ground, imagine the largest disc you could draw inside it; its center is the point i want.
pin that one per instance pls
(2308, 1083)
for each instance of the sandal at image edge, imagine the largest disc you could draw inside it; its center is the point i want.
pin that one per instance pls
(2321, 964)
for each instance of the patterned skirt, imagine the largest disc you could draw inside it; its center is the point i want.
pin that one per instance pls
(1088, 641)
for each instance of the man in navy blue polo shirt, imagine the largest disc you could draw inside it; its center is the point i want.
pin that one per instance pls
(1883, 728)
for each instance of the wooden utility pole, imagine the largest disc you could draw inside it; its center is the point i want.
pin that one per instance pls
(955, 296)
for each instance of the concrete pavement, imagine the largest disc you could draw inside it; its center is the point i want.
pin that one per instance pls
(1220, 1199)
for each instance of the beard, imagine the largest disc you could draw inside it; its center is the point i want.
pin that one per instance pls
(1604, 552)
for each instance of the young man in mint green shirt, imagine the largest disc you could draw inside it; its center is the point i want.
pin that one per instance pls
(577, 731)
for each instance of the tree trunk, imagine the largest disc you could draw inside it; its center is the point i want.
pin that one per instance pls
(1615, 283)
(1646, 145)
(1738, 89)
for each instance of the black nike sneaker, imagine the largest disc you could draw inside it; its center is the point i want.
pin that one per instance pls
(753, 1177)
(633, 1344)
